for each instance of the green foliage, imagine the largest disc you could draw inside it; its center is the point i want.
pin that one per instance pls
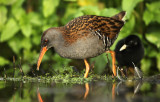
(129, 5)
(3, 17)
(50, 9)
(3, 61)
(10, 29)
(22, 24)
(152, 13)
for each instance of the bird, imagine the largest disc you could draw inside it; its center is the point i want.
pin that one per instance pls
(129, 51)
(83, 37)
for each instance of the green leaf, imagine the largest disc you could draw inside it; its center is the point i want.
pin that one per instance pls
(35, 18)
(153, 37)
(129, 5)
(31, 56)
(158, 61)
(109, 12)
(17, 43)
(25, 25)
(49, 6)
(154, 6)
(152, 13)
(3, 16)
(3, 61)
(70, 13)
(154, 9)
(36, 39)
(60, 62)
(25, 68)
(145, 66)
(18, 12)
(147, 17)
(18, 3)
(90, 10)
(100, 63)
(10, 29)
(26, 43)
(129, 26)
(8, 2)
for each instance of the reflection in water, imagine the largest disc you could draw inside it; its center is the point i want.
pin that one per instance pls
(113, 92)
(87, 90)
(102, 91)
(39, 96)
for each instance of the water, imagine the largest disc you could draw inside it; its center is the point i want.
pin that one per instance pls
(147, 90)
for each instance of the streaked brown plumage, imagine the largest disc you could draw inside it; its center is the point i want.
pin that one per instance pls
(83, 37)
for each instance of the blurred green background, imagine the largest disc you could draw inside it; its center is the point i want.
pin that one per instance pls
(22, 23)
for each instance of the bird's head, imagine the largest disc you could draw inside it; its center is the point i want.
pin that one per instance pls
(130, 42)
(50, 38)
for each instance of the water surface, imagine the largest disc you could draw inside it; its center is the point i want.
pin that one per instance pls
(147, 90)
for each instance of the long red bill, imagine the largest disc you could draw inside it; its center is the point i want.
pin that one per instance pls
(43, 51)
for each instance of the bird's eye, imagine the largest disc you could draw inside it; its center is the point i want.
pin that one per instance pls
(131, 42)
(135, 43)
(46, 40)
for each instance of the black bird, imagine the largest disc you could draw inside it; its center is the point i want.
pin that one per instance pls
(129, 52)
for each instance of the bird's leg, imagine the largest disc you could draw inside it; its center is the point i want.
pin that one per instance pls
(131, 70)
(113, 61)
(138, 71)
(87, 68)
(118, 76)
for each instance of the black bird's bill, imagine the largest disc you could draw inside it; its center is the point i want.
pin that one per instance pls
(123, 47)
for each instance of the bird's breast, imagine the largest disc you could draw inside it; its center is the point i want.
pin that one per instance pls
(86, 47)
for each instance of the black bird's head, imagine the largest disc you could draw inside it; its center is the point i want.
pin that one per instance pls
(131, 42)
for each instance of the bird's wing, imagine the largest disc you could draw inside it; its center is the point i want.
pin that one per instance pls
(106, 28)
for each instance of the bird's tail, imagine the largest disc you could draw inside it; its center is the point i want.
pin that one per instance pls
(120, 15)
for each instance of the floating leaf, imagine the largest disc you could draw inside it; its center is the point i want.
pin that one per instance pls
(10, 29)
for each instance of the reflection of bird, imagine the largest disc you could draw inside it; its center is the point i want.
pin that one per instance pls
(83, 37)
(129, 50)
